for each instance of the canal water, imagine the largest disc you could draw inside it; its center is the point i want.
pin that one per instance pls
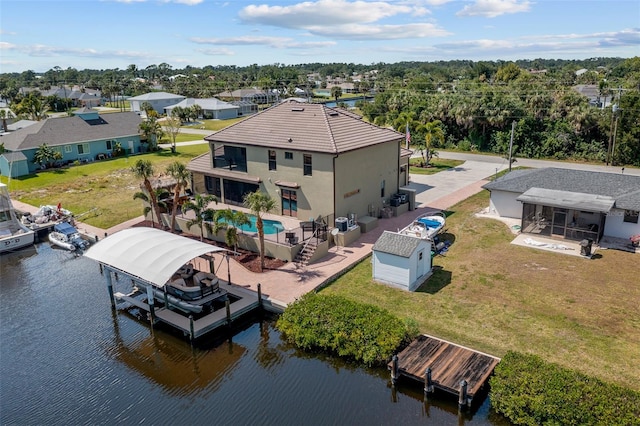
(66, 359)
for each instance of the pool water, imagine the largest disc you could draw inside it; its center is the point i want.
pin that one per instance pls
(270, 226)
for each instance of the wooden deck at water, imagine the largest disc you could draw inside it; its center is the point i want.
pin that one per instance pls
(248, 301)
(450, 364)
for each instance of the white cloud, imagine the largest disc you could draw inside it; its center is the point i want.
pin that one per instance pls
(380, 32)
(6, 46)
(41, 50)
(277, 42)
(494, 8)
(222, 51)
(321, 13)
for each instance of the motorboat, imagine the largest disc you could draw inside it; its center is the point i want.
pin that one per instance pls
(46, 215)
(425, 226)
(13, 233)
(67, 236)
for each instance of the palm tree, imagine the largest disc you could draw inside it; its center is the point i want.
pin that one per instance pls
(179, 172)
(230, 220)
(259, 203)
(336, 92)
(432, 133)
(144, 170)
(151, 130)
(203, 214)
(161, 195)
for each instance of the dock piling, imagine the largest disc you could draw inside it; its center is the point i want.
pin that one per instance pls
(394, 369)
(150, 302)
(191, 328)
(260, 295)
(428, 383)
(462, 395)
(227, 305)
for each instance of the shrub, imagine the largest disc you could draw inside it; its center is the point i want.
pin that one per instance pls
(530, 391)
(349, 329)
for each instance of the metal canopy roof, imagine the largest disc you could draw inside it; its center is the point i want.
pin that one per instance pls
(150, 254)
(568, 200)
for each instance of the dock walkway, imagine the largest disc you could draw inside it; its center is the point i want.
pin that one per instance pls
(450, 365)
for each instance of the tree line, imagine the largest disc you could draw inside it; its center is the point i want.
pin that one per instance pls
(474, 103)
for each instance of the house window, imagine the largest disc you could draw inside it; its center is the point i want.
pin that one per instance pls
(382, 185)
(289, 203)
(83, 148)
(68, 149)
(272, 159)
(307, 165)
(288, 155)
(631, 216)
(109, 145)
(232, 158)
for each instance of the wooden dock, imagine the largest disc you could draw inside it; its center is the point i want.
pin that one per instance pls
(248, 301)
(450, 365)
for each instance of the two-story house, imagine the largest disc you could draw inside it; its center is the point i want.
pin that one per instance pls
(314, 160)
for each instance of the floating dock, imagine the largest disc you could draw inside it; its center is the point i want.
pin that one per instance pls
(444, 365)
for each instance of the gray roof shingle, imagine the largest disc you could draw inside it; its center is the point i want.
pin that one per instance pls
(305, 127)
(396, 244)
(625, 189)
(66, 130)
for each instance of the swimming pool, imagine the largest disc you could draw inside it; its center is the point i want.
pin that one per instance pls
(270, 226)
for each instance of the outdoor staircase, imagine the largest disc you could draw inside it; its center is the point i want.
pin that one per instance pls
(303, 256)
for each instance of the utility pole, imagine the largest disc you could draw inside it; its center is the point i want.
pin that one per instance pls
(613, 128)
(513, 128)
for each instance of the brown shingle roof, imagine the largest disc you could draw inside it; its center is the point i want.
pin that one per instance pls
(305, 127)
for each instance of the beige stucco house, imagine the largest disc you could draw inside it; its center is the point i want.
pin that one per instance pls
(317, 162)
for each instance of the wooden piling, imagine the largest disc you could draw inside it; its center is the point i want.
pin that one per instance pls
(260, 295)
(228, 271)
(428, 382)
(462, 395)
(101, 269)
(151, 303)
(394, 369)
(227, 305)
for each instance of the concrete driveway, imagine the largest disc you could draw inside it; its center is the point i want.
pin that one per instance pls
(430, 188)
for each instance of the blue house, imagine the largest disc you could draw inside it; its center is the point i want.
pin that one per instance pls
(85, 137)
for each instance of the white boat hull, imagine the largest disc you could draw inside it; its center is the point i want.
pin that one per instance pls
(17, 241)
(425, 227)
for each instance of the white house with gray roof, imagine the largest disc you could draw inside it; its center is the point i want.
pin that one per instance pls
(401, 260)
(212, 108)
(85, 137)
(571, 204)
(158, 100)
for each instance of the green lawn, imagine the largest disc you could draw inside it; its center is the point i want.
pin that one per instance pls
(183, 137)
(435, 166)
(494, 297)
(107, 186)
(215, 125)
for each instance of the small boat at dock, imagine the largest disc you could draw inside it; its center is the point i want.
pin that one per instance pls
(67, 236)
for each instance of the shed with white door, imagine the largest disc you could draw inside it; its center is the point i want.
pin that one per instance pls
(401, 260)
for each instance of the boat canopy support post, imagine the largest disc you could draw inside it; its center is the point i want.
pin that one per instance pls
(110, 288)
(260, 295)
(150, 301)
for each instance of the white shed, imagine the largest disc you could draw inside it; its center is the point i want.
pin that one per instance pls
(401, 260)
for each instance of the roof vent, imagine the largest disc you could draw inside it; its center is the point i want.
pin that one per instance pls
(334, 113)
(297, 109)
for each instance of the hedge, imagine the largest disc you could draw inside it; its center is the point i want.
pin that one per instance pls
(349, 329)
(530, 391)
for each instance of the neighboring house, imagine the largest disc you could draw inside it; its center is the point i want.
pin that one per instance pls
(313, 160)
(245, 107)
(253, 95)
(592, 92)
(345, 87)
(401, 260)
(572, 204)
(212, 108)
(84, 137)
(158, 100)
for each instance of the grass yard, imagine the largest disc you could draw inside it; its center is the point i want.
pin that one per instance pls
(437, 166)
(107, 186)
(182, 137)
(492, 296)
(215, 125)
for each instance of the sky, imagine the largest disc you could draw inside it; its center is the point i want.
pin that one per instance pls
(109, 34)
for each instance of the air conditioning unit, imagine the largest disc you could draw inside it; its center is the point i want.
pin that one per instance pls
(342, 223)
(395, 202)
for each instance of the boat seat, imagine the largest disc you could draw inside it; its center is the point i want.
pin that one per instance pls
(205, 278)
(181, 285)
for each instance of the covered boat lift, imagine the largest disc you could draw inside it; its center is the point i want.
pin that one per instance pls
(150, 257)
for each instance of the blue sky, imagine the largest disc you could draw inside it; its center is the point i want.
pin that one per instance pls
(107, 34)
